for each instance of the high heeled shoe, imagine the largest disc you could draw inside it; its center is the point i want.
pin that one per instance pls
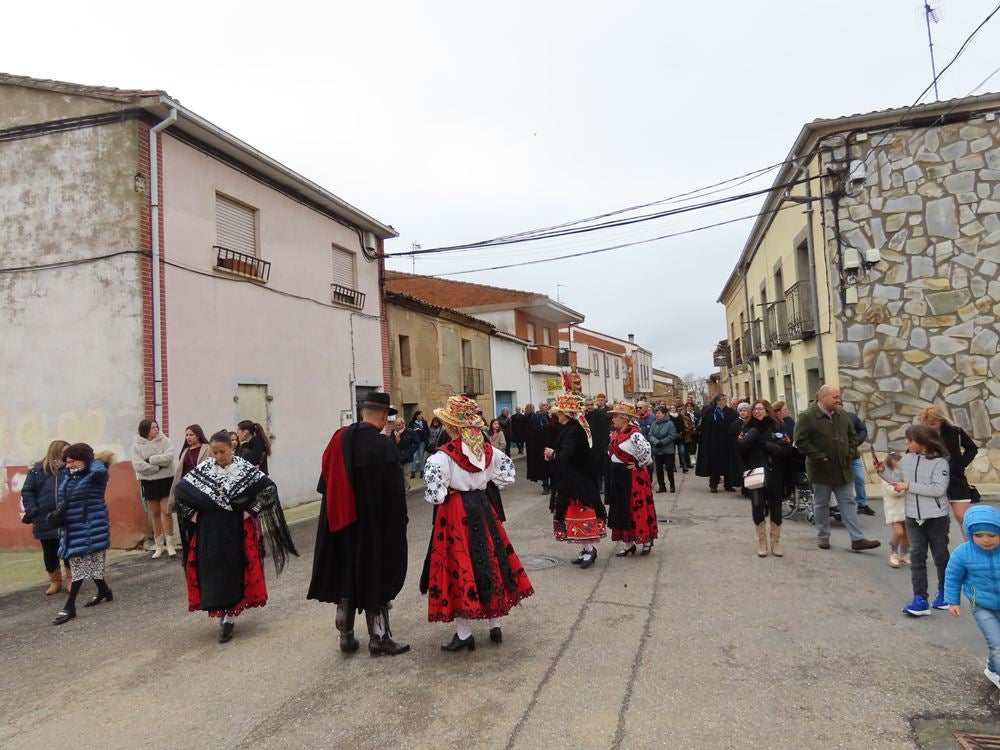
(108, 596)
(588, 558)
(579, 558)
(646, 549)
(626, 551)
(496, 635)
(457, 644)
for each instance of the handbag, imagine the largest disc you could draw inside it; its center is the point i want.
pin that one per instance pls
(753, 479)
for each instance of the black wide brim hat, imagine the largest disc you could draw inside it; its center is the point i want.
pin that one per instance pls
(378, 401)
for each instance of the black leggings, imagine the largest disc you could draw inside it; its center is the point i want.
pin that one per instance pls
(763, 504)
(50, 554)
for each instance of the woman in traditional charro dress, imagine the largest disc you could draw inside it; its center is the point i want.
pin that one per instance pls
(578, 515)
(471, 571)
(631, 514)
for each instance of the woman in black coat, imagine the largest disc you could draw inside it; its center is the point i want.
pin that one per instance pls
(714, 454)
(763, 443)
(535, 430)
(961, 452)
(736, 427)
(39, 496)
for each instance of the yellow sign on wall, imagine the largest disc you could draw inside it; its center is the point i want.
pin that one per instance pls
(554, 385)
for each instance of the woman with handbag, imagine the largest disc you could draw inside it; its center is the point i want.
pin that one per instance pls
(961, 452)
(39, 496)
(84, 529)
(766, 450)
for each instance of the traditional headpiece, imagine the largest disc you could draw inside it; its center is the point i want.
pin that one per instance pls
(623, 408)
(464, 413)
(571, 404)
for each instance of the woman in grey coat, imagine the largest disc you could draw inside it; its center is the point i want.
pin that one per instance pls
(662, 439)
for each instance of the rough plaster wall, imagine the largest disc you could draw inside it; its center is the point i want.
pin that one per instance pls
(72, 364)
(925, 329)
(24, 106)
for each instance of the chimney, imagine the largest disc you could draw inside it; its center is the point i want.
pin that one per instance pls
(631, 338)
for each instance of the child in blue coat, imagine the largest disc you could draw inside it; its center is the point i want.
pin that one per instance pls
(974, 568)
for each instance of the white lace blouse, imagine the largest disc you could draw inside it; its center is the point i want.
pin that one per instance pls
(636, 446)
(442, 474)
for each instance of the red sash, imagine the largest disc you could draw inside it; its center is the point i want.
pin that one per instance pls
(617, 438)
(454, 451)
(341, 510)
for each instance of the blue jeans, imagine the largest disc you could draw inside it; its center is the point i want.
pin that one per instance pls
(418, 458)
(988, 621)
(848, 510)
(860, 493)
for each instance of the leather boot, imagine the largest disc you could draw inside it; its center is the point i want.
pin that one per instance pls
(345, 624)
(168, 545)
(382, 644)
(762, 539)
(776, 541)
(55, 583)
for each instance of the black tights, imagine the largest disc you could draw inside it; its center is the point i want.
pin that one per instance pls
(50, 554)
(762, 505)
(74, 589)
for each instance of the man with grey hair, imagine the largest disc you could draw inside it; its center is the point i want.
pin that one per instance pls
(825, 436)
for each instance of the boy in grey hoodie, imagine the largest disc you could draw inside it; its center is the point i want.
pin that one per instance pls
(923, 475)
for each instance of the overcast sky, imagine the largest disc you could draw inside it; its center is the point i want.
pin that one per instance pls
(462, 121)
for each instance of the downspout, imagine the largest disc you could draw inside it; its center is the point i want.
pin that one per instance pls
(154, 204)
(746, 304)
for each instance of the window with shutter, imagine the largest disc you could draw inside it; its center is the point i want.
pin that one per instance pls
(345, 278)
(235, 226)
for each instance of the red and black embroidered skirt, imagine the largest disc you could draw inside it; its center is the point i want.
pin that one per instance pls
(631, 516)
(254, 585)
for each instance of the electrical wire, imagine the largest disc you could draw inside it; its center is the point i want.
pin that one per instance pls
(606, 225)
(620, 246)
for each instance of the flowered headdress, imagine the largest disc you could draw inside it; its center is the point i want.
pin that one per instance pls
(571, 404)
(624, 409)
(464, 413)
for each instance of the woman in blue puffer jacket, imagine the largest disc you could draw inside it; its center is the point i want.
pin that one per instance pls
(86, 535)
(38, 499)
(974, 569)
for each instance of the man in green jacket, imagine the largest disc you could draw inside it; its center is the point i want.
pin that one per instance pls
(825, 436)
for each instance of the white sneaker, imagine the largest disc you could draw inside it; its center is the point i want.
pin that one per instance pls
(894, 560)
(992, 676)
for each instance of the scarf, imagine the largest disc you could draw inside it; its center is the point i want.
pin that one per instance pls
(473, 437)
(223, 484)
(581, 418)
(341, 510)
(617, 438)
(454, 451)
(717, 415)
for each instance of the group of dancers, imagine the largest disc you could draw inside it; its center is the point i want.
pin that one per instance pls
(470, 571)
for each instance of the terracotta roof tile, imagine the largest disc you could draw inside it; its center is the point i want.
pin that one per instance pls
(64, 87)
(454, 294)
(431, 308)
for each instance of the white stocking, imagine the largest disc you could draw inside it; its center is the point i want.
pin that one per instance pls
(588, 547)
(228, 619)
(494, 622)
(462, 628)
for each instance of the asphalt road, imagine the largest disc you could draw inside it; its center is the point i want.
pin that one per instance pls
(699, 645)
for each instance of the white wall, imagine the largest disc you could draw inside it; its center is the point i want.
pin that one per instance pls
(510, 369)
(502, 319)
(222, 332)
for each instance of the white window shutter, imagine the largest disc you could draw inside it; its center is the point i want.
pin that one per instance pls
(235, 226)
(344, 268)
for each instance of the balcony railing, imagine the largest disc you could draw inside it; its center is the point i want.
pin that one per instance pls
(472, 381)
(737, 358)
(799, 304)
(776, 325)
(240, 263)
(344, 295)
(544, 354)
(721, 356)
(751, 341)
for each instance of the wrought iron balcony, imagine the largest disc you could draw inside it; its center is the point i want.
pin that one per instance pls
(799, 308)
(344, 295)
(721, 356)
(776, 325)
(737, 358)
(242, 264)
(472, 381)
(751, 340)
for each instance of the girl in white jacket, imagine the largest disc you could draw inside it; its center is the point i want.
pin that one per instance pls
(153, 461)
(923, 476)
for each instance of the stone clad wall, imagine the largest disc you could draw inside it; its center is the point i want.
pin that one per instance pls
(925, 329)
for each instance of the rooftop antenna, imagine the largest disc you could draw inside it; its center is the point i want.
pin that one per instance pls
(413, 258)
(932, 15)
(558, 287)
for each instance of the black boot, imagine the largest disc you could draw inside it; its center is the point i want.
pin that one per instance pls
(383, 644)
(345, 625)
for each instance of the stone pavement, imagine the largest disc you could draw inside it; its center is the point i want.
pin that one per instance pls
(699, 645)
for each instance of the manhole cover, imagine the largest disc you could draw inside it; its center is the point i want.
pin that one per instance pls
(538, 562)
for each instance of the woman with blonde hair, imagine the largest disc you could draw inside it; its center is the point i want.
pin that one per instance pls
(39, 497)
(961, 452)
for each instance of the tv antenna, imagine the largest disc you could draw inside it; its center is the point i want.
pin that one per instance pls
(932, 15)
(413, 258)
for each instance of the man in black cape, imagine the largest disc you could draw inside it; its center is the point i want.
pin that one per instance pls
(360, 559)
(714, 457)
(600, 429)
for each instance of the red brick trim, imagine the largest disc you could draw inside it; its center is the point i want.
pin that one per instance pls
(146, 263)
(384, 323)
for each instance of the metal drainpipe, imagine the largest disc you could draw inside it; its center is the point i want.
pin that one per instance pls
(746, 304)
(812, 275)
(154, 203)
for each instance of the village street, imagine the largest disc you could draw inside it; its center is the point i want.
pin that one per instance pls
(700, 645)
